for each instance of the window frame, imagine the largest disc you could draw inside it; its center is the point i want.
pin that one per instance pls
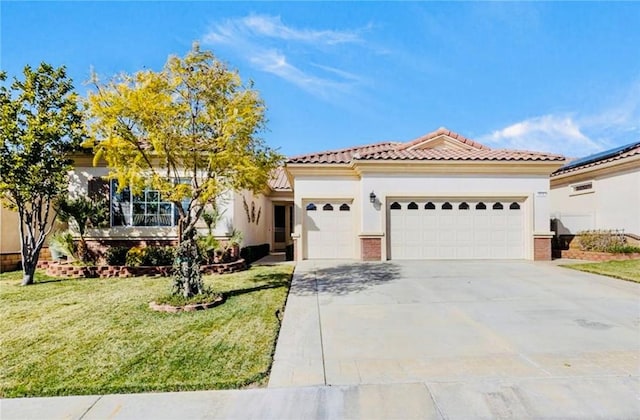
(575, 189)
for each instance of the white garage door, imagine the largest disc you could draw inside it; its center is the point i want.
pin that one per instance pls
(456, 229)
(328, 227)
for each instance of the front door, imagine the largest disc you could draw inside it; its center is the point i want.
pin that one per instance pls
(279, 227)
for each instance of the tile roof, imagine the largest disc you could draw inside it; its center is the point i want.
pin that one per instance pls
(279, 181)
(404, 151)
(343, 155)
(601, 158)
(453, 154)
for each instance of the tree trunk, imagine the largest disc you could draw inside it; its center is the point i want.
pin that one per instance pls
(28, 273)
(187, 280)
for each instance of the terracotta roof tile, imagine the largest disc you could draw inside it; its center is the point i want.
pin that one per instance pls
(456, 155)
(279, 181)
(342, 155)
(601, 158)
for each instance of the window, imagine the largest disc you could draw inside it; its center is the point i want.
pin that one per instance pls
(514, 206)
(412, 206)
(146, 209)
(498, 206)
(463, 206)
(311, 207)
(481, 206)
(447, 206)
(327, 207)
(395, 206)
(345, 207)
(429, 206)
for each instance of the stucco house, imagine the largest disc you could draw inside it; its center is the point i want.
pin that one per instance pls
(600, 191)
(440, 196)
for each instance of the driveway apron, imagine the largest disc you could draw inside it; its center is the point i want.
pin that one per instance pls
(509, 338)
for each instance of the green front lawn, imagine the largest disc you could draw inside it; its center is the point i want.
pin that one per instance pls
(625, 270)
(98, 336)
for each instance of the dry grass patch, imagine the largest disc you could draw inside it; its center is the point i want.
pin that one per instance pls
(97, 336)
(625, 269)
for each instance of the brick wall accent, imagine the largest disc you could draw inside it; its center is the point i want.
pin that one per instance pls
(13, 261)
(542, 249)
(104, 271)
(371, 249)
(597, 256)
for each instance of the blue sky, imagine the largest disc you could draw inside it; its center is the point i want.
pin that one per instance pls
(557, 77)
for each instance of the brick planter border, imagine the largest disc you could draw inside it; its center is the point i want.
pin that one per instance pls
(597, 256)
(108, 271)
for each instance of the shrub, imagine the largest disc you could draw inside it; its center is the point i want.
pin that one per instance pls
(158, 255)
(604, 241)
(116, 255)
(254, 252)
(134, 257)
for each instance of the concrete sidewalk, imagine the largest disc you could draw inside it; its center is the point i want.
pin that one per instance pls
(406, 401)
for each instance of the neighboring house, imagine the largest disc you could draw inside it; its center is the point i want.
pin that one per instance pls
(600, 191)
(441, 196)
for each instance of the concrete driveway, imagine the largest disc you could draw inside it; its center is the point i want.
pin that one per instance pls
(480, 338)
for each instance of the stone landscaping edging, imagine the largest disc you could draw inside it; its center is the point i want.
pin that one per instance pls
(597, 256)
(108, 271)
(186, 308)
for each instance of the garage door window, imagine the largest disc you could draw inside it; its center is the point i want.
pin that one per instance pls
(345, 207)
(412, 206)
(514, 206)
(481, 206)
(327, 207)
(311, 207)
(463, 206)
(429, 206)
(447, 206)
(396, 206)
(498, 206)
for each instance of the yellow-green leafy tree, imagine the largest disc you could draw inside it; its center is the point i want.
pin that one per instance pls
(40, 125)
(189, 131)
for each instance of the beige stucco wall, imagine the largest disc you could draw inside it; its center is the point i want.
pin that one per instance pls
(255, 231)
(9, 231)
(612, 203)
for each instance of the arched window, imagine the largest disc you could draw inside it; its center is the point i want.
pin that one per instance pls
(447, 206)
(395, 206)
(481, 206)
(412, 206)
(514, 206)
(463, 206)
(311, 207)
(345, 207)
(327, 207)
(498, 206)
(429, 206)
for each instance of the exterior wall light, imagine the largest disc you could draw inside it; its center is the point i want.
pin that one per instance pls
(372, 197)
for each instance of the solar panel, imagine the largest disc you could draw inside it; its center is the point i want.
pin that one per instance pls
(599, 156)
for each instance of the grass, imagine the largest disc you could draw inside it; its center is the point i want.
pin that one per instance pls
(98, 336)
(625, 270)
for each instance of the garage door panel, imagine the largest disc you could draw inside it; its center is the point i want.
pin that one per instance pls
(456, 229)
(329, 230)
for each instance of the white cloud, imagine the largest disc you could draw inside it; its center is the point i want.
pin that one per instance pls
(261, 40)
(575, 135)
(550, 133)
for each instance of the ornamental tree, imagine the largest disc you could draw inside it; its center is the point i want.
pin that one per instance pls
(189, 131)
(39, 125)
